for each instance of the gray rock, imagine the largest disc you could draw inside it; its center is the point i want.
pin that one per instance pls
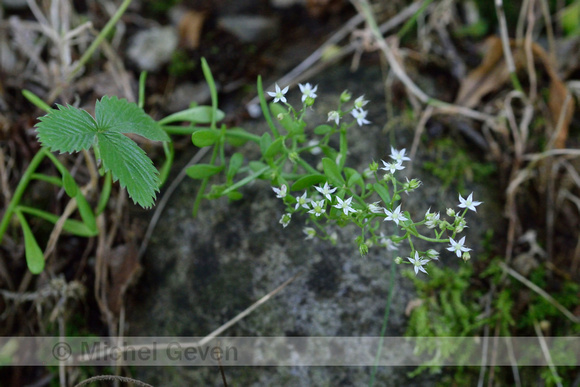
(152, 48)
(200, 273)
(250, 28)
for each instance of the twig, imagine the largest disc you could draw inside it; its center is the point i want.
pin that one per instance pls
(541, 292)
(546, 352)
(529, 54)
(507, 52)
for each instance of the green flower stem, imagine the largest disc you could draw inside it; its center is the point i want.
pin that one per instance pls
(49, 179)
(265, 109)
(245, 180)
(105, 194)
(22, 185)
(432, 239)
(343, 148)
(306, 166)
(385, 323)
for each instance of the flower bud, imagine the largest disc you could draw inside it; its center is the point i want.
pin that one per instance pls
(398, 260)
(345, 96)
(450, 212)
(466, 256)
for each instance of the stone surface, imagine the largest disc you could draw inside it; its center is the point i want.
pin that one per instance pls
(200, 273)
(150, 49)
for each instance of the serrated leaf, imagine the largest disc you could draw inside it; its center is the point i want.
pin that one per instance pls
(67, 129)
(332, 172)
(196, 115)
(205, 137)
(308, 181)
(33, 252)
(130, 165)
(202, 171)
(119, 115)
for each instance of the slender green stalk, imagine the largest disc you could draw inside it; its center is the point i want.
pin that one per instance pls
(212, 90)
(385, 323)
(22, 185)
(265, 109)
(99, 39)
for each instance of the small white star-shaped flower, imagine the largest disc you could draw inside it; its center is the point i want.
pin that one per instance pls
(317, 207)
(310, 232)
(375, 208)
(431, 219)
(360, 102)
(334, 116)
(326, 191)
(279, 94)
(344, 205)
(281, 192)
(457, 247)
(302, 201)
(418, 263)
(388, 243)
(285, 220)
(392, 167)
(399, 155)
(395, 216)
(307, 91)
(468, 203)
(360, 116)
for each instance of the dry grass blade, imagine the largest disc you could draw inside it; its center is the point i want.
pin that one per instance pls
(546, 353)
(541, 292)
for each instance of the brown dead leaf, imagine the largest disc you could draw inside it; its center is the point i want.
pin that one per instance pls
(493, 74)
(124, 268)
(190, 26)
(412, 305)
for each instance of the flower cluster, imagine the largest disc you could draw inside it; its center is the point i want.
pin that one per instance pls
(342, 196)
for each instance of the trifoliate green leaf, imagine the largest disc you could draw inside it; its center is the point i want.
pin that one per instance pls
(67, 129)
(130, 165)
(118, 115)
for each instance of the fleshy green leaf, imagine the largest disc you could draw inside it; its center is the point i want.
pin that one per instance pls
(67, 129)
(130, 165)
(308, 181)
(201, 171)
(322, 129)
(274, 147)
(383, 193)
(33, 252)
(235, 163)
(236, 136)
(265, 142)
(118, 115)
(332, 172)
(70, 186)
(196, 115)
(205, 137)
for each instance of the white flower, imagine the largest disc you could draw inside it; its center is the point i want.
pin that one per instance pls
(432, 254)
(457, 247)
(460, 224)
(360, 115)
(431, 219)
(388, 243)
(468, 203)
(392, 167)
(285, 220)
(279, 94)
(281, 192)
(317, 208)
(316, 149)
(334, 116)
(399, 155)
(360, 102)
(307, 91)
(375, 208)
(326, 191)
(395, 216)
(302, 201)
(418, 263)
(344, 205)
(310, 232)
